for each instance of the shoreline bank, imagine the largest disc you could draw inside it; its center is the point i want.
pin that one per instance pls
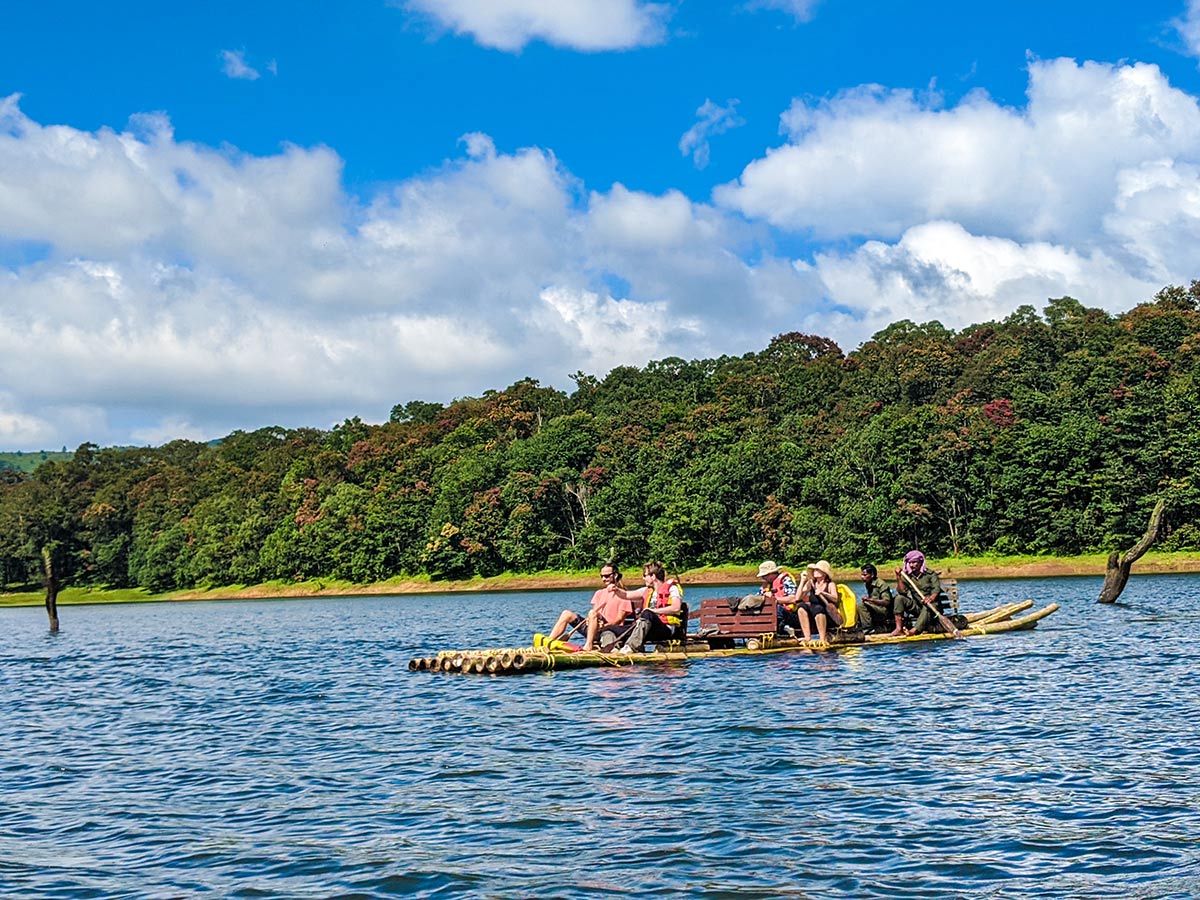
(739, 577)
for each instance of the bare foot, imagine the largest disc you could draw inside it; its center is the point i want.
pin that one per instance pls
(896, 633)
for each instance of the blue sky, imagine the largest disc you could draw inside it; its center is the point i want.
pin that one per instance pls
(228, 215)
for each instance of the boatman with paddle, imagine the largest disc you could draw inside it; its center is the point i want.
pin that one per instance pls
(919, 594)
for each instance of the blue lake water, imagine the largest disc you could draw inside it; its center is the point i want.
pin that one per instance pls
(283, 749)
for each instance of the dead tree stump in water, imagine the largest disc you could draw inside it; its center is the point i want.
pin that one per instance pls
(1117, 571)
(51, 588)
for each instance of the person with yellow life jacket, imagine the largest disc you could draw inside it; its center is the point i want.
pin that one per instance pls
(662, 609)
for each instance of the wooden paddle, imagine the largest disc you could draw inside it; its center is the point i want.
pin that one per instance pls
(946, 623)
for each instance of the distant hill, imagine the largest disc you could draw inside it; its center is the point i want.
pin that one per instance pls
(27, 462)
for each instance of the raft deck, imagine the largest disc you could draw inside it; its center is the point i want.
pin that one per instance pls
(515, 661)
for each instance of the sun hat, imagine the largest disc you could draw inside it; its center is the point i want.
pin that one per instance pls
(767, 568)
(822, 566)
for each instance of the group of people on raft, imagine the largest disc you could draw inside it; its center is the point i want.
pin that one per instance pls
(629, 619)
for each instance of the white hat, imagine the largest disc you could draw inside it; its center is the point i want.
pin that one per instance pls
(767, 568)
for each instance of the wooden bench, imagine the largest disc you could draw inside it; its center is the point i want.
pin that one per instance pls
(757, 629)
(734, 625)
(950, 589)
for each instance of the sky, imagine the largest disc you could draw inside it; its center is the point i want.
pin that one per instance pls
(229, 215)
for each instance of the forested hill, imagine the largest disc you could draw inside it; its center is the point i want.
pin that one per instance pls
(1051, 433)
(27, 462)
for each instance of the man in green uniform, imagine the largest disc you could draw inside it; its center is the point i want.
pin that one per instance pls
(876, 608)
(914, 582)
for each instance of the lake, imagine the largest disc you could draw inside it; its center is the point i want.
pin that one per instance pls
(283, 749)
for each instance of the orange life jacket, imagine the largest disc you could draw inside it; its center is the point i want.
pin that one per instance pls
(662, 597)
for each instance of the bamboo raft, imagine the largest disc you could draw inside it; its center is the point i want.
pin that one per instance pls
(516, 661)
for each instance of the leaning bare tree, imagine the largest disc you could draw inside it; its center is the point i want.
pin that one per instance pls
(1117, 571)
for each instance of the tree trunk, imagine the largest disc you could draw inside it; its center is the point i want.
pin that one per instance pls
(51, 589)
(1117, 571)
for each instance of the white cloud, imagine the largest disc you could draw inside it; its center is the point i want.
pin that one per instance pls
(171, 428)
(588, 25)
(187, 291)
(1188, 26)
(800, 10)
(713, 120)
(608, 332)
(940, 271)
(1092, 189)
(46, 429)
(191, 291)
(233, 64)
(872, 162)
(20, 429)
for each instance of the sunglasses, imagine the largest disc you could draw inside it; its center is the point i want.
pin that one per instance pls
(608, 575)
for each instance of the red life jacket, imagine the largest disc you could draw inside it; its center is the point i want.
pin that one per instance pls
(777, 590)
(662, 597)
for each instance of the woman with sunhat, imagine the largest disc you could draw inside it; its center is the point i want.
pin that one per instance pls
(819, 603)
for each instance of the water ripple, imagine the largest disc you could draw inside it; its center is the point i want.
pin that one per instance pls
(283, 750)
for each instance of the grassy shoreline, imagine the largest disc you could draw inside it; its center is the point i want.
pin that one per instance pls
(958, 567)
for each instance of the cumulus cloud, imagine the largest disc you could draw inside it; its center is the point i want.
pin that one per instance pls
(713, 119)
(871, 162)
(233, 64)
(21, 429)
(587, 25)
(184, 290)
(1092, 188)
(938, 270)
(170, 428)
(189, 290)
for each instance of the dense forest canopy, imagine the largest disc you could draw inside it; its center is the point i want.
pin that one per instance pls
(1051, 433)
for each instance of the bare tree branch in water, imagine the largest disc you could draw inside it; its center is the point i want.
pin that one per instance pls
(1119, 566)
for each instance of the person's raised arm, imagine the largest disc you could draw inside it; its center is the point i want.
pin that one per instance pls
(635, 597)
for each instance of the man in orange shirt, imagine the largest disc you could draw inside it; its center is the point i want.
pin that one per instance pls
(609, 608)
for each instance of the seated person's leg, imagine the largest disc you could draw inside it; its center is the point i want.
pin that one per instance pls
(566, 620)
(865, 615)
(614, 634)
(637, 636)
(805, 613)
(874, 617)
(660, 631)
(822, 619)
(648, 628)
(594, 624)
(925, 620)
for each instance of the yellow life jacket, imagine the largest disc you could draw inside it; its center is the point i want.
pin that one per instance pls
(849, 606)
